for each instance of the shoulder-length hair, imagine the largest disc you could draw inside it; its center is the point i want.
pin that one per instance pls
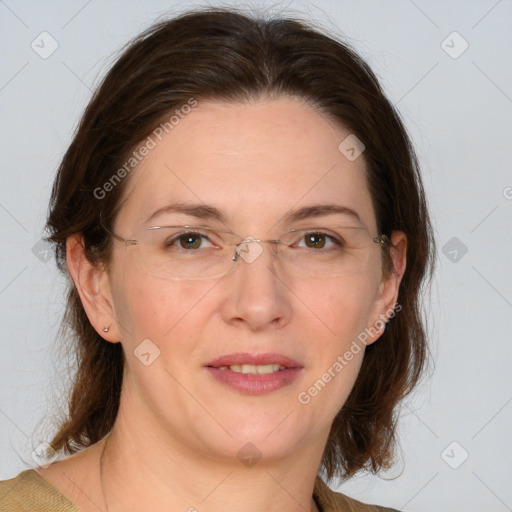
(227, 55)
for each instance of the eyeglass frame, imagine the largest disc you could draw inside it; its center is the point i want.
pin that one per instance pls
(381, 239)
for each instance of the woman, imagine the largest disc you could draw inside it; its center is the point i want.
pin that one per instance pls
(245, 230)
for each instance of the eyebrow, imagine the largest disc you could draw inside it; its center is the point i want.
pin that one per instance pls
(204, 211)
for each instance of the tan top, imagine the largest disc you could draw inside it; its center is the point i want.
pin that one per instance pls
(30, 492)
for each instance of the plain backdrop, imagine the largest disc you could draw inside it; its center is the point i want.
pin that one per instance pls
(447, 67)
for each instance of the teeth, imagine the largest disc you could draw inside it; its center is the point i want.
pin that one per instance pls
(254, 369)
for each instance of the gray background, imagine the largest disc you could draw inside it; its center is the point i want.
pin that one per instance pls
(458, 108)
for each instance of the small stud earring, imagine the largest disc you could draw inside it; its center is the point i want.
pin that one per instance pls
(105, 329)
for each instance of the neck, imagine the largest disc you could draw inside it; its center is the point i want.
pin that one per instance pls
(153, 472)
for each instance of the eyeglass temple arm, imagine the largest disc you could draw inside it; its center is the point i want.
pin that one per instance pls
(117, 237)
(381, 239)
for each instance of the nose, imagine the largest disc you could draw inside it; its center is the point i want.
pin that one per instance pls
(257, 297)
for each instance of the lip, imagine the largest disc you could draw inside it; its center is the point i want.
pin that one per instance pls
(257, 359)
(249, 384)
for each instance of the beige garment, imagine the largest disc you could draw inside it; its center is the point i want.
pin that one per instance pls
(30, 492)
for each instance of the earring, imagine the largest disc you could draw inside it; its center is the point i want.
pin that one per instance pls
(105, 329)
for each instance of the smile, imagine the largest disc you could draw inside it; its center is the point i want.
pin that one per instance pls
(253, 369)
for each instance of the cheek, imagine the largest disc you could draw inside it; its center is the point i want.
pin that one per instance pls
(343, 307)
(152, 308)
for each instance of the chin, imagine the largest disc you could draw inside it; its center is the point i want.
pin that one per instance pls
(251, 449)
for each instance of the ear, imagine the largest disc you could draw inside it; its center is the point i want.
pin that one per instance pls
(93, 285)
(383, 307)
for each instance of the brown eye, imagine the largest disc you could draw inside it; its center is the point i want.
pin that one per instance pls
(315, 240)
(187, 241)
(190, 241)
(318, 240)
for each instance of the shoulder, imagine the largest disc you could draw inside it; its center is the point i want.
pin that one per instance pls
(331, 501)
(30, 492)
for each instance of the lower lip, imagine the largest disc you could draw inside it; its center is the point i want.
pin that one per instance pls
(249, 384)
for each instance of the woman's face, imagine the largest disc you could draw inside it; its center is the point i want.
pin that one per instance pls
(255, 163)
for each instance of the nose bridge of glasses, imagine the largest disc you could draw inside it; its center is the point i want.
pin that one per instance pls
(249, 249)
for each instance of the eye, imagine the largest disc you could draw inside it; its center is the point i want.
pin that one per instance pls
(188, 240)
(319, 240)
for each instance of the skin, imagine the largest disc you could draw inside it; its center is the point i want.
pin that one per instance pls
(178, 432)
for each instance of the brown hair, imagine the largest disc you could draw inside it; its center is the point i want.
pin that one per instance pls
(225, 54)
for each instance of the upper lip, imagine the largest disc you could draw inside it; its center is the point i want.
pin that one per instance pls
(256, 359)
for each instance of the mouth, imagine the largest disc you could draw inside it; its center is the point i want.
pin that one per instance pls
(257, 364)
(253, 369)
(254, 374)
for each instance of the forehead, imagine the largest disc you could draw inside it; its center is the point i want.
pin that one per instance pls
(254, 161)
